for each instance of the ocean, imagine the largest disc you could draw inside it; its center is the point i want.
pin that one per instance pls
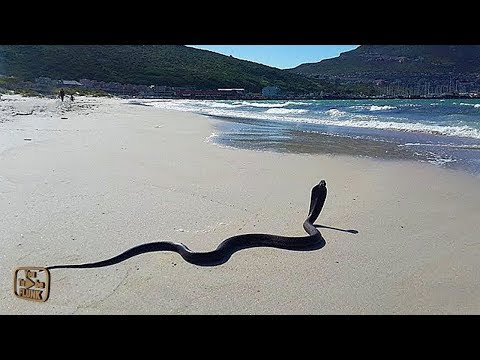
(443, 132)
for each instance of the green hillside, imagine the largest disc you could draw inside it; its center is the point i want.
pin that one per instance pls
(168, 65)
(369, 62)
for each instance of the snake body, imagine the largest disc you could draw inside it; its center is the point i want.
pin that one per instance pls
(232, 244)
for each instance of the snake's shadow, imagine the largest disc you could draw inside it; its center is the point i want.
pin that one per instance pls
(334, 228)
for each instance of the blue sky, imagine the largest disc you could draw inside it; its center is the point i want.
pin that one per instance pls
(280, 56)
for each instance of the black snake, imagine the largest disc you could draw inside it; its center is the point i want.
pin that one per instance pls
(222, 253)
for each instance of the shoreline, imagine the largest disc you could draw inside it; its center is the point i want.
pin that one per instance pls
(386, 130)
(116, 175)
(336, 145)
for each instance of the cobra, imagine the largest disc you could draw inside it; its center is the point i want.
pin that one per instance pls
(229, 246)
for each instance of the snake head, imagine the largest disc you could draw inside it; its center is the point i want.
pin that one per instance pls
(317, 199)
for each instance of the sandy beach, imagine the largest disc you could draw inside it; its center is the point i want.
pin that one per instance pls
(85, 181)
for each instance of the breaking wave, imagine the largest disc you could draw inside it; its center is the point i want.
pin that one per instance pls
(330, 117)
(467, 104)
(335, 112)
(462, 131)
(377, 108)
(381, 108)
(272, 104)
(282, 111)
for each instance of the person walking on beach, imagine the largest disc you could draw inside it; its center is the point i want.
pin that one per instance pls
(62, 94)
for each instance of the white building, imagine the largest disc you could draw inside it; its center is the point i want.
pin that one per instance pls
(67, 83)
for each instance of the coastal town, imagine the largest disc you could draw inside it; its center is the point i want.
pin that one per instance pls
(421, 88)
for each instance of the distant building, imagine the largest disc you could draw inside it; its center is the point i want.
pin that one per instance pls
(44, 84)
(231, 92)
(271, 91)
(70, 83)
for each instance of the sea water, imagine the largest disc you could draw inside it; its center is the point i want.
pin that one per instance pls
(444, 132)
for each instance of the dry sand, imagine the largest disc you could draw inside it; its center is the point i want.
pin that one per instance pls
(111, 176)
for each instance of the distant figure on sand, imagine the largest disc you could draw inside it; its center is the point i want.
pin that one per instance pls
(71, 97)
(62, 94)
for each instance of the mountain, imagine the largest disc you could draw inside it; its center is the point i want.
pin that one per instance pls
(405, 63)
(169, 65)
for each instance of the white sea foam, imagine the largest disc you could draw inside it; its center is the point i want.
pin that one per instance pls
(369, 107)
(281, 111)
(196, 105)
(452, 146)
(210, 138)
(334, 117)
(439, 160)
(468, 104)
(381, 108)
(335, 112)
(272, 104)
(222, 105)
(463, 131)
